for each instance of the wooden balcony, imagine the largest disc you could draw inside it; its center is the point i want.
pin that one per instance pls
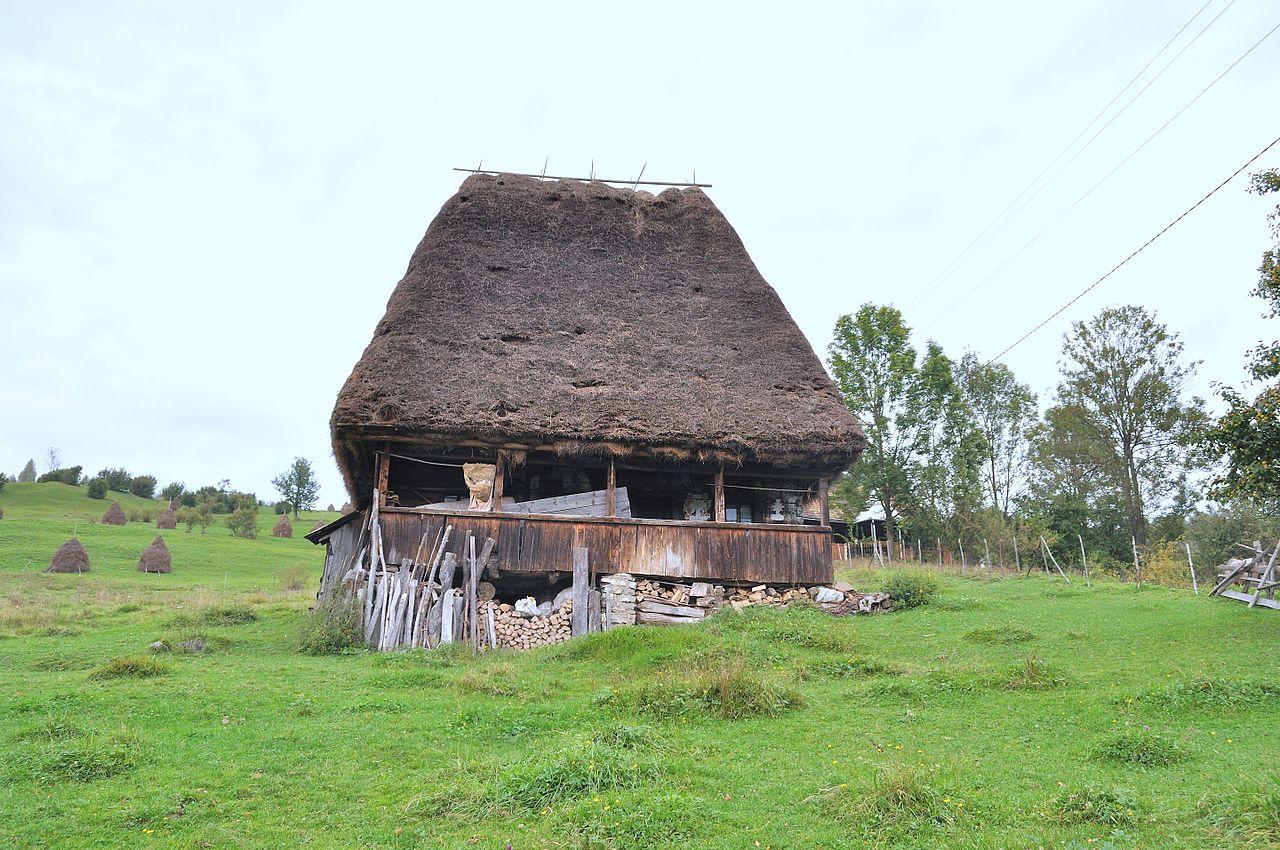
(541, 543)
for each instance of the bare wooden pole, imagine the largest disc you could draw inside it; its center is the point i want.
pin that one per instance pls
(825, 507)
(581, 585)
(1017, 562)
(964, 565)
(1084, 561)
(611, 491)
(938, 540)
(1195, 587)
(384, 471)
(1137, 567)
(987, 550)
(720, 510)
(1055, 560)
(499, 480)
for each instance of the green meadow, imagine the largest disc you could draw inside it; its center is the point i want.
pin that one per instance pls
(1005, 713)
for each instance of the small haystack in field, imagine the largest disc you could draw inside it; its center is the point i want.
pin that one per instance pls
(346, 508)
(70, 558)
(319, 524)
(114, 515)
(167, 519)
(155, 558)
(283, 527)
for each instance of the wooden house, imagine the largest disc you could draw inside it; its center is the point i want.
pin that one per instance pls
(568, 364)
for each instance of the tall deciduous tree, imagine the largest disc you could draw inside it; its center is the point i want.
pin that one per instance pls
(1121, 407)
(28, 473)
(1004, 411)
(298, 486)
(911, 412)
(1248, 434)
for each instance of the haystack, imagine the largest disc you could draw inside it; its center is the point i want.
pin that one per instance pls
(114, 515)
(346, 508)
(283, 527)
(167, 519)
(155, 558)
(70, 558)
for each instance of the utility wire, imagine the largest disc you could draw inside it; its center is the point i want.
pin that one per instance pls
(1105, 177)
(965, 254)
(1140, 249)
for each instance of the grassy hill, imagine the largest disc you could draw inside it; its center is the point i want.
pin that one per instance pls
(1008, 713)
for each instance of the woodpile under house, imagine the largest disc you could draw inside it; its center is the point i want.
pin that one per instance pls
(584, 407)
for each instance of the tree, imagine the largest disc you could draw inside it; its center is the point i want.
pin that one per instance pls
(70, 475)
(173, 491)
(97, 488)
(1122, 409)
(117, 478)
(243, 522)
(1248, 434)
(28, 473)
(912, 415)
(1004, 411)
(298, 486)
(143, 485)
(52, 459)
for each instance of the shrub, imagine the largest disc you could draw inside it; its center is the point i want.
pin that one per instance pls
(130, 667)
(281, 507)
(1033, 675)
(4, 479)
(333, 627)
(1000, 635)
(140, 515)
(226, 615)
(860, 667)
(97, 488)
(910, 588)
(69, 475)
(1093, 804)
(143, 485)
(1142, 749)
(292, 579)
(243, 522)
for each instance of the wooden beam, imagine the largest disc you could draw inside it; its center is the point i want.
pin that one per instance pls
(611, 491)
(824, 485)
(720, 510)
(384, 471)
(581, 586)
(499, 474)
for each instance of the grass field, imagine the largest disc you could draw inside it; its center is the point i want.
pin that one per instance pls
(1006, 713)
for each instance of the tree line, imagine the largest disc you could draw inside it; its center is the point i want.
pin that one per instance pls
(1122, 461)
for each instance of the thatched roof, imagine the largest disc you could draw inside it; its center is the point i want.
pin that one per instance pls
(155, 558)
(593, 318)
(114, 515)
(70, 558)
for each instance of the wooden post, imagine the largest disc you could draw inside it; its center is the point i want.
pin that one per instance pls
(1055, 560)
(938, 540)
(1137, 567)
(581, 587)
(1085, 562)
(963, 565)
(824, 486)
(987, 550)
(1195, 587)
(611, 491)
(720, 512)
(473, 583)
(384, 471)
(499, 478)
(1017, 562)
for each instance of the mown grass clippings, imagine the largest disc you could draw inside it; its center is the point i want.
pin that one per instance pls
(130, 667)
(1000, 635)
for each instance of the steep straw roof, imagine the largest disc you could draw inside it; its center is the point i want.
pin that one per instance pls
(578, 314)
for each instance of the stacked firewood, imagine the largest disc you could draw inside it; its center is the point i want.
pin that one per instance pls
(513, 630)
(741, 597)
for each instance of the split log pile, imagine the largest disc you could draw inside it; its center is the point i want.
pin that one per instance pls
(513, 630)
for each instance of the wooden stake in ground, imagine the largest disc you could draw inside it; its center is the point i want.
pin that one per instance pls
(1137, 568)
(581, 585)
(1195, 587)
(1084, 561)
(963, 564)
(987, 550)
(1055, 560)
(1017, 562)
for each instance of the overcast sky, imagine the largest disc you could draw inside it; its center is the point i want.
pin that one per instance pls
(204, 207)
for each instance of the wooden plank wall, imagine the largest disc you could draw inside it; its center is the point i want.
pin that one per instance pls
(748, 554)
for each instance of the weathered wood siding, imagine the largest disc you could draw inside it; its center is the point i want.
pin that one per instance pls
(790, 554)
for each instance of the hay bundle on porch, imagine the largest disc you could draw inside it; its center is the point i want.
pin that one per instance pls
(167, 519)
(283, 528)
(578, 314)
(114, 515)
(70, 558)
(155, 558)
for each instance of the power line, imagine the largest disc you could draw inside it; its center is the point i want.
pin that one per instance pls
(965, 254)
(1140, 249)
(1105, 177)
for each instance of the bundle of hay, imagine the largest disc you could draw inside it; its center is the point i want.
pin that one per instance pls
(70, 558)
(167, 519)
(319, 524)
(114, 515)
(346, 508)
(155, 558)
(283, 527)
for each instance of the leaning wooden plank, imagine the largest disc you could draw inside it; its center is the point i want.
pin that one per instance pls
(654, 607)
(581, 584)
(593, 610)
(1266, 575)
(446, 618)
(1228, 579)
(493, 634)
(473, 581)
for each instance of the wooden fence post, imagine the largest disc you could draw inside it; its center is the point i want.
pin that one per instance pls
(1195, 587)
(581, 586)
